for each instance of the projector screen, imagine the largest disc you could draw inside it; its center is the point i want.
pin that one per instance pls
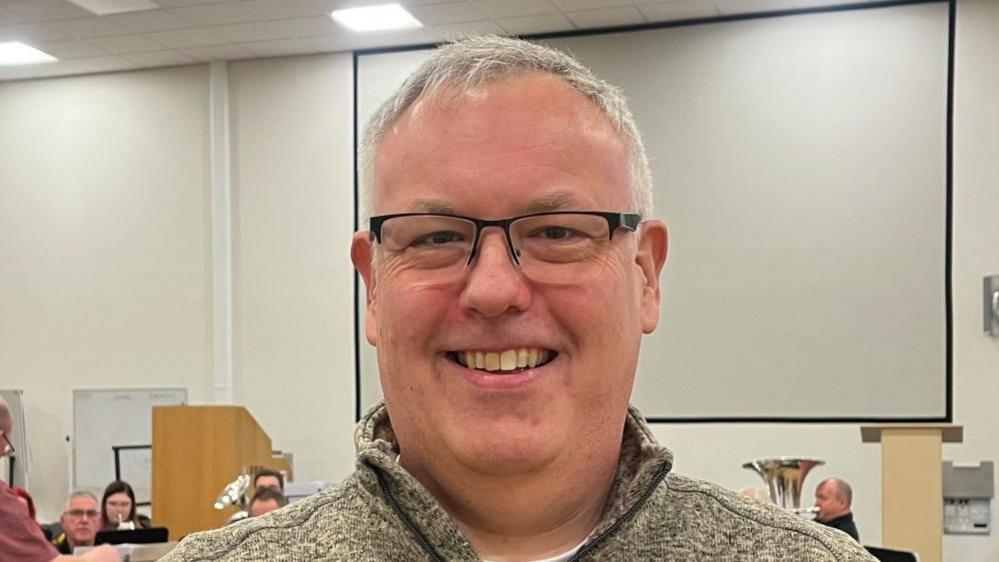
(800, 163)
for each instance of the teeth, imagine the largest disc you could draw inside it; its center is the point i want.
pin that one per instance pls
(506, 360)
(492, 361)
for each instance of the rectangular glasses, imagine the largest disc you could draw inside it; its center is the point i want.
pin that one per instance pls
(551, 247)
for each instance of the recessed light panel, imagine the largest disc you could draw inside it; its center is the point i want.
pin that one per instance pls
(15, 53)
(376, 18)
(105, 7)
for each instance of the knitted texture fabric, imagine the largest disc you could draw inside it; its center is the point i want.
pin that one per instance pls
(381, 513)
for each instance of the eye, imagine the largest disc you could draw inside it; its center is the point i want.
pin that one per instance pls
(555, 233)
(438, 238)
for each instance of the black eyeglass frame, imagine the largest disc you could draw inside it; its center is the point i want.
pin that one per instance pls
(628, 221)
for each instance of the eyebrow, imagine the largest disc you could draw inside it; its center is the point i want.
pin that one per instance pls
(558, 201)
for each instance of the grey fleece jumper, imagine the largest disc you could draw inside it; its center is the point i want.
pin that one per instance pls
(380, 512)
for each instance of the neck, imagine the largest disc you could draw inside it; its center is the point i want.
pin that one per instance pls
(522, 516)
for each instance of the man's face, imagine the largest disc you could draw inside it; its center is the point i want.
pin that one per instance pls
(268, 481)
(830, 506)
(81, 521)
(514, 147)
(261, 507)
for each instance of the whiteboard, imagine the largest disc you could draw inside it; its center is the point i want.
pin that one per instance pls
(104, 418)
(800, 164)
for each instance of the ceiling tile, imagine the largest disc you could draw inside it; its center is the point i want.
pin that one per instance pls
(219, 52)
(63, 50)
(500, 9)
(150, 21)
(187, 38)
(278, 29)
(215, 14)
(444, 14)
(748, 6)
(682, 10)
(126, 44)
(179, 3)
(88, 27)
(575, 5)
(47, 10)
(611, 17)
(459, 30)
(819, 3)
(422, 36)
(536, 24)
(10, 18)
(281, 47)
(160, 58)
(283, 9)
(31, 32)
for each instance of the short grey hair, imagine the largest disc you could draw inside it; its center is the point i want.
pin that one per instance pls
(475, 61)
(81, 494)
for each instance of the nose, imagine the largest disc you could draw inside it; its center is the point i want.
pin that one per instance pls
(494, 285)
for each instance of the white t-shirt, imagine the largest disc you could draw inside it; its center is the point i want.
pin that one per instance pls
(559, 557)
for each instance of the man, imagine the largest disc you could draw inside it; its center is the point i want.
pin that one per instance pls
(265, 500)
(833, 497)
(268, 478)
(510, 278)
(80, 522)
(21, 538)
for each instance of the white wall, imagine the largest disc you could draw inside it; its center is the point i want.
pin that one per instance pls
(292, 156)
(104, 247)
(106, 280)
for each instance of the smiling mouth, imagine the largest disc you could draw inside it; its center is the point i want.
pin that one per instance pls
(507, 361)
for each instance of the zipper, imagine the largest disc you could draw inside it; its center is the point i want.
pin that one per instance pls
(390, 499)
(590, 546)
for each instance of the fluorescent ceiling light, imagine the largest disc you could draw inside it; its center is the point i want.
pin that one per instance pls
(376, 18)
(15, 53)
(105, 7)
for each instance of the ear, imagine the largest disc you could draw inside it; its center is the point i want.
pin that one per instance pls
(651, 257)
(361, 253)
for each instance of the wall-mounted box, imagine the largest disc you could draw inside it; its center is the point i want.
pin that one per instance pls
(968, 490)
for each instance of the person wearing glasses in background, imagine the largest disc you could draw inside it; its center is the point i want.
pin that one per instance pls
(21, 538)
(511, 267)
(80, 522)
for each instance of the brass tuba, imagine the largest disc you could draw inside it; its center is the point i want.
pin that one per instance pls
(785, 477)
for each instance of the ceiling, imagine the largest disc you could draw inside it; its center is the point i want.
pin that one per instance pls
(196, 31)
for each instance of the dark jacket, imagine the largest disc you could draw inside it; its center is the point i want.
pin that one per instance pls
(844, 523)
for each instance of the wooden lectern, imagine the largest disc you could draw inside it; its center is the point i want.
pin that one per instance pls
(912, 484)
(197, 450)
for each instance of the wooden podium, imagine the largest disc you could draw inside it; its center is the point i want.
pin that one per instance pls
(197, 450)
(912, 484)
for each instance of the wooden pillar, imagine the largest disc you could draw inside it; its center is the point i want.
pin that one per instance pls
(912, 485)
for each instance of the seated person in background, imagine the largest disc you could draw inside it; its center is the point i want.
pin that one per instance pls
(268, 478)
(833, 498)
(266, 499)
(21, 538)
(80, 522)
(118, 508)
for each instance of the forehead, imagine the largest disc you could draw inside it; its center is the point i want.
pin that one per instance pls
(119, 496)
(526, 137)
(83, 502)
